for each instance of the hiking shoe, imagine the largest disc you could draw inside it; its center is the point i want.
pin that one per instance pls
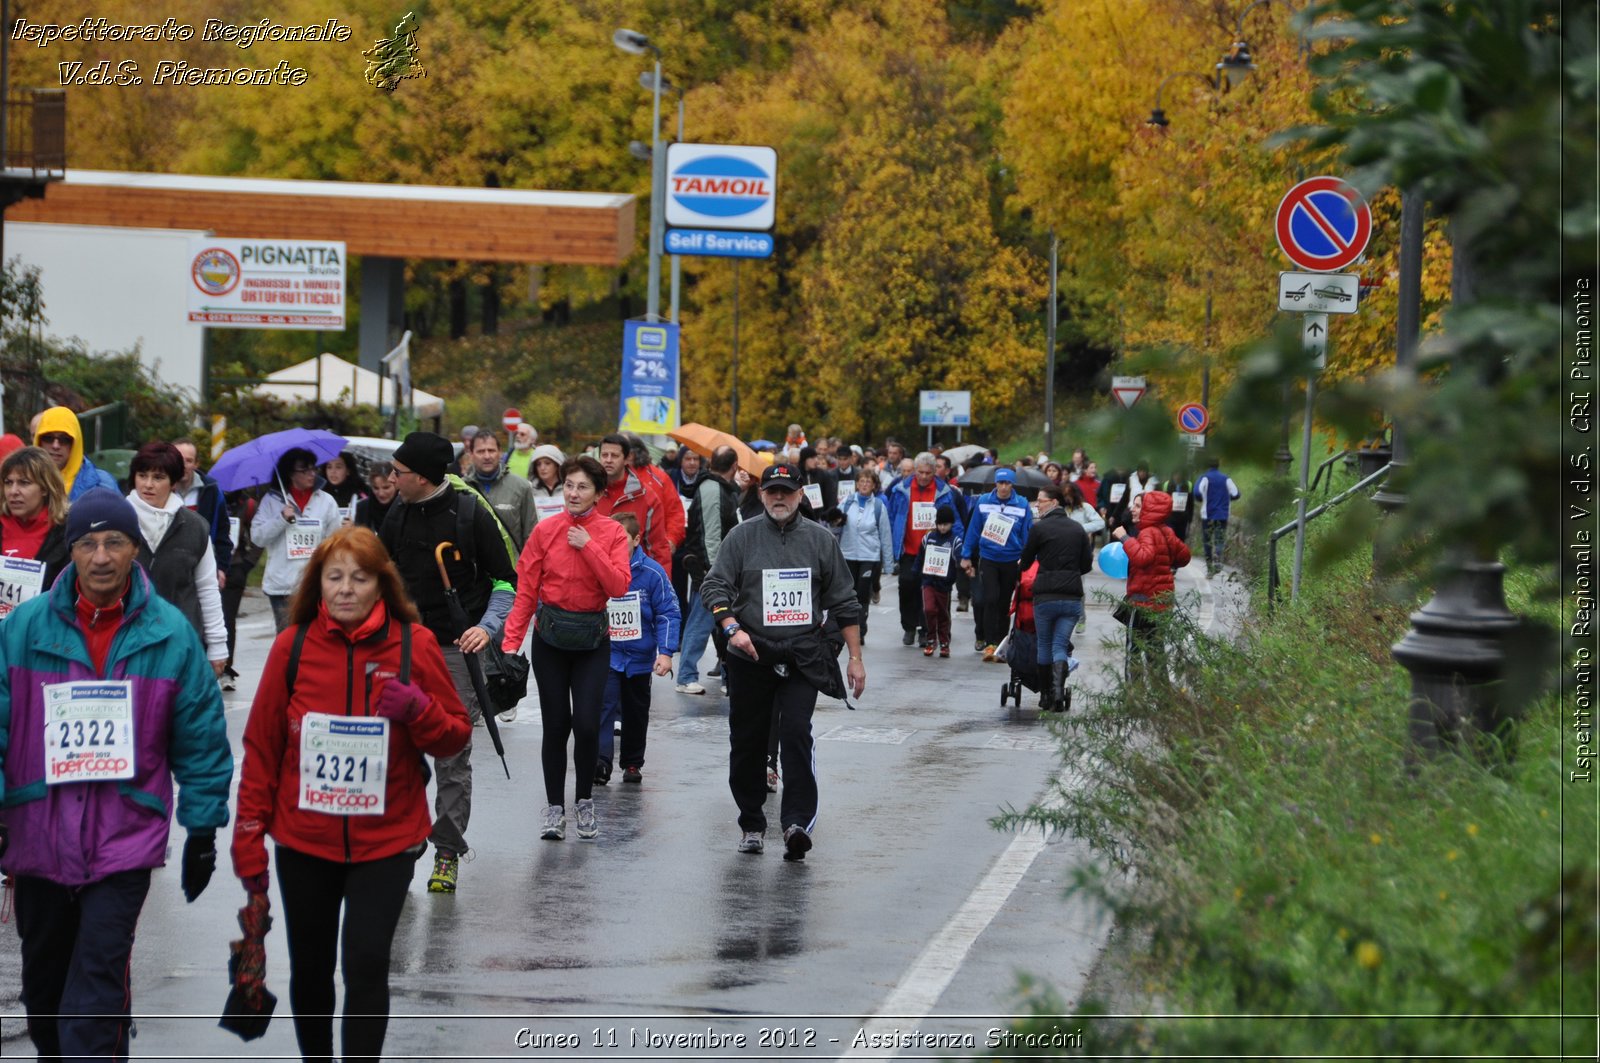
(602, 772)
(772, 780)
(716, 671)
(509, 716)
(751, 842)
(927, 649)
(944, 651)
(587, 827)
(445, 868)
(633, 775)
(796, 842)
(907, 638)
(555, 823)
(989, 652)
(691, 688)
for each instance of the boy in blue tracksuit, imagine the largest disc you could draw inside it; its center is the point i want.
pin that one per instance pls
(644, 635)
(993, 545)
(937, 562)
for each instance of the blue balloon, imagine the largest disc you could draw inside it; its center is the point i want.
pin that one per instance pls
(1114, 561)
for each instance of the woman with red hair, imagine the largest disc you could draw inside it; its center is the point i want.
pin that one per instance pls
(354, 691)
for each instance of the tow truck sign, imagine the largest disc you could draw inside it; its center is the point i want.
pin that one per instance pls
(1319, 293)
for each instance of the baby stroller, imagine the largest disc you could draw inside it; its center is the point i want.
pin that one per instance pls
(1022, 649)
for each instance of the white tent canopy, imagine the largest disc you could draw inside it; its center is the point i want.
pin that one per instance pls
(330, 379)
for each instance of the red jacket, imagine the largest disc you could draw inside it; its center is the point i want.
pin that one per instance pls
(550, 570)
(1022, 599)
(672, 510)
(342, 675)
(1090, 487)
(633, 495)
(1155, 552)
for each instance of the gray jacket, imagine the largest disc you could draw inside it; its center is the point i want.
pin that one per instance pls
(760, 545)
(512, 499)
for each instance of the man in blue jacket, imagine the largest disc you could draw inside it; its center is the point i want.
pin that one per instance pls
(1000, 523)
(106, 698)
(644, 636)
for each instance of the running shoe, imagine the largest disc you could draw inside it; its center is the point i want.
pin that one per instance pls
(796, 842)
(772, 780)
(509, 716)
(927, 649)
(602, 772)
(445, 868)
(691, 688)
(227, 682)
(587, 827)
(751, 842)
(555, 823)
(632, 774)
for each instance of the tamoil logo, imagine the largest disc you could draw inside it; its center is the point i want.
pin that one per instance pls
(721, 186)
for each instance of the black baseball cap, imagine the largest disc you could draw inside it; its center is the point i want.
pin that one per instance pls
(783, 474)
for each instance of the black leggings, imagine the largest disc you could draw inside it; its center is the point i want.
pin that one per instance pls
(370, 894)
(572, 693)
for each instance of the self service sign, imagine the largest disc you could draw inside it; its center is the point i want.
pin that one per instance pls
(293, 284)
(721, 186)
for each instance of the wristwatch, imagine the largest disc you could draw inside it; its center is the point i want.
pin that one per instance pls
(730, 630)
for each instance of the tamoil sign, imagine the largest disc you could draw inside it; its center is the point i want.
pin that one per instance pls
(721, 186)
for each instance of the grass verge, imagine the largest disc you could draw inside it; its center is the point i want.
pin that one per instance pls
(1303, 888)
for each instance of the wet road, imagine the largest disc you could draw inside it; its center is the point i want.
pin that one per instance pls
(907, 924)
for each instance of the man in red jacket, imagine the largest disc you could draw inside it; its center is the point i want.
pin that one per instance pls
(655, 477)
(626, 492)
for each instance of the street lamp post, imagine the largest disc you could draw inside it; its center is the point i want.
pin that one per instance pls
(636, 43)
(652, 83)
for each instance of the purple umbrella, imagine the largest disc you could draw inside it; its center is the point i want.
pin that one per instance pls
(256, 462)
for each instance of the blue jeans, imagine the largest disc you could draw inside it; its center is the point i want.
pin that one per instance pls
(696, 633)
(1055, 621)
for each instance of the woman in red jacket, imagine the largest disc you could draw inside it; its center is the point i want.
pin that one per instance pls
(333, 771)
(1153, 556)
(572, 563)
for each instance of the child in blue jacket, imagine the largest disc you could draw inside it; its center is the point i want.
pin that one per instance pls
(644, 635)
(938, 578)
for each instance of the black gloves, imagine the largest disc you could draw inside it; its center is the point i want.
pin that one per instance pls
(199, 861)
(5, 838)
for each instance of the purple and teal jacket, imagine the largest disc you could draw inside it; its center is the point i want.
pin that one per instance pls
(78, 833)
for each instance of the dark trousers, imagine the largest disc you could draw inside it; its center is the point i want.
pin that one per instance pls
(231, 597)
(755, 695)
(76, 946)
(963, 585)
(627, 697)
(863, 573)
(369, 895)
(1214, 533)
(996, 582)
(572, 691)
(936, 614)
(910, 593)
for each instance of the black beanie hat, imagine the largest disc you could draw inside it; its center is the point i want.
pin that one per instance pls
(944, 515)
(429, 456)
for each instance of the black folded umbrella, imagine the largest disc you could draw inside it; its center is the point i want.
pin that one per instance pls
(248, 1011)
(250, 1003)
(474, 664)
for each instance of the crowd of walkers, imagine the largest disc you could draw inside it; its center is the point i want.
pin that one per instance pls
(393, 581)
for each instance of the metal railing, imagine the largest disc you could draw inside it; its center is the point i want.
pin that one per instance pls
(1273, 577)
(1326, 467)
(36, 131)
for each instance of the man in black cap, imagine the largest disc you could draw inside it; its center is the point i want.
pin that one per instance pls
(774, 580)
(109, 701)
(428, 511)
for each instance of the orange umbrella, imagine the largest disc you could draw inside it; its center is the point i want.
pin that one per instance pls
(703, 439)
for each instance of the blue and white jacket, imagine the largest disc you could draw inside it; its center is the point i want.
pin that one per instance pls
(659, 616)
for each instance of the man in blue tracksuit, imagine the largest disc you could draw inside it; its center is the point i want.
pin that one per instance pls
(644, 636)
(1216, 492)
(994, 540)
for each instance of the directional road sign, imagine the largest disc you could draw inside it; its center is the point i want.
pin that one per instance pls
(1319, 293)
(1127, 390)
(1193, 418)
(1314, 334)
(1323, 224)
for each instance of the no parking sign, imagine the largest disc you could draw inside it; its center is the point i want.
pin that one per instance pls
(1323, 224)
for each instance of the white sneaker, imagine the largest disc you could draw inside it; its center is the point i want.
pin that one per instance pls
(509, 716)
(587, 826)
(691, 688)
(555, 823)
(226, 682)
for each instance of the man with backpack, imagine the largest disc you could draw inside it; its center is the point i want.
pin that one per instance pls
(428, 511)
(712, 514)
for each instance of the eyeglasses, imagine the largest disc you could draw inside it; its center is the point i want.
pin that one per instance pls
(60, 439)
(298, 469)
(111, 544)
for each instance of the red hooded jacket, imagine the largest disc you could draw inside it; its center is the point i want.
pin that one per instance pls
(341, 674)
(634, 495)
(1155, 552)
